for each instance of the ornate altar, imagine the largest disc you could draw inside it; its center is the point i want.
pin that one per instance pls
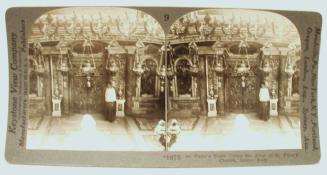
(208, 64)
(146, 68)
(184, 98)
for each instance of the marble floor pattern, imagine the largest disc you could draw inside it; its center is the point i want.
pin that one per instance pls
(218, 133)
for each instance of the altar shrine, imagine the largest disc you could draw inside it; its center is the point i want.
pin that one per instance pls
(210, 63)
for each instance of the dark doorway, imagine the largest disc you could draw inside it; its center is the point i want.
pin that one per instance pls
(242, 99)
(88, 99)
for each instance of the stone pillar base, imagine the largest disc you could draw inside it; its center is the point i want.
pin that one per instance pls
(56, 107)
(120, 107)
(212, 107)
(288, 104)
(273, 107)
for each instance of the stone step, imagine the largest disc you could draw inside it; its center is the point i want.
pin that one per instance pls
(146, 105)
(183, 113)
(144, 110)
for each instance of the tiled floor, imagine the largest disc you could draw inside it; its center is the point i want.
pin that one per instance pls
(231, 132)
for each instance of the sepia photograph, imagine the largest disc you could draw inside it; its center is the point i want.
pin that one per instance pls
(110, 79)
(163, 87)
(233, 78)
(169, 87)
(94, 80)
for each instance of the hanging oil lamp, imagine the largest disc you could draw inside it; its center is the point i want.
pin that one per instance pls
(39, 67)
(289, 69)
(162, 72)
(243, 69)
(87, 68)
(170, 72)
(193, 53)
(218, 66)
(194, 69)
(138, 69)
(266, 66)
(112, 66)
(64, 63)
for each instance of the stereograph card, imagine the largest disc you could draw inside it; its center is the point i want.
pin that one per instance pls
(162, 86)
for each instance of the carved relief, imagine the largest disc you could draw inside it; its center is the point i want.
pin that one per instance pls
(48, 26)
(88, 99)
(77, 23)
(242, 99)
(99, 27)
(75, 27)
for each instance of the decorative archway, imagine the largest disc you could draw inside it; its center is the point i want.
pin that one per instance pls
(184, 83)
(183, 77)
(149, 79)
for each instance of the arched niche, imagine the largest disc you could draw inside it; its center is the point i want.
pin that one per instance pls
(149, 79)
(183, 79)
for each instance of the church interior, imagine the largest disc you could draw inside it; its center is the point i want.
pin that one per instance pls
(205, 73)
